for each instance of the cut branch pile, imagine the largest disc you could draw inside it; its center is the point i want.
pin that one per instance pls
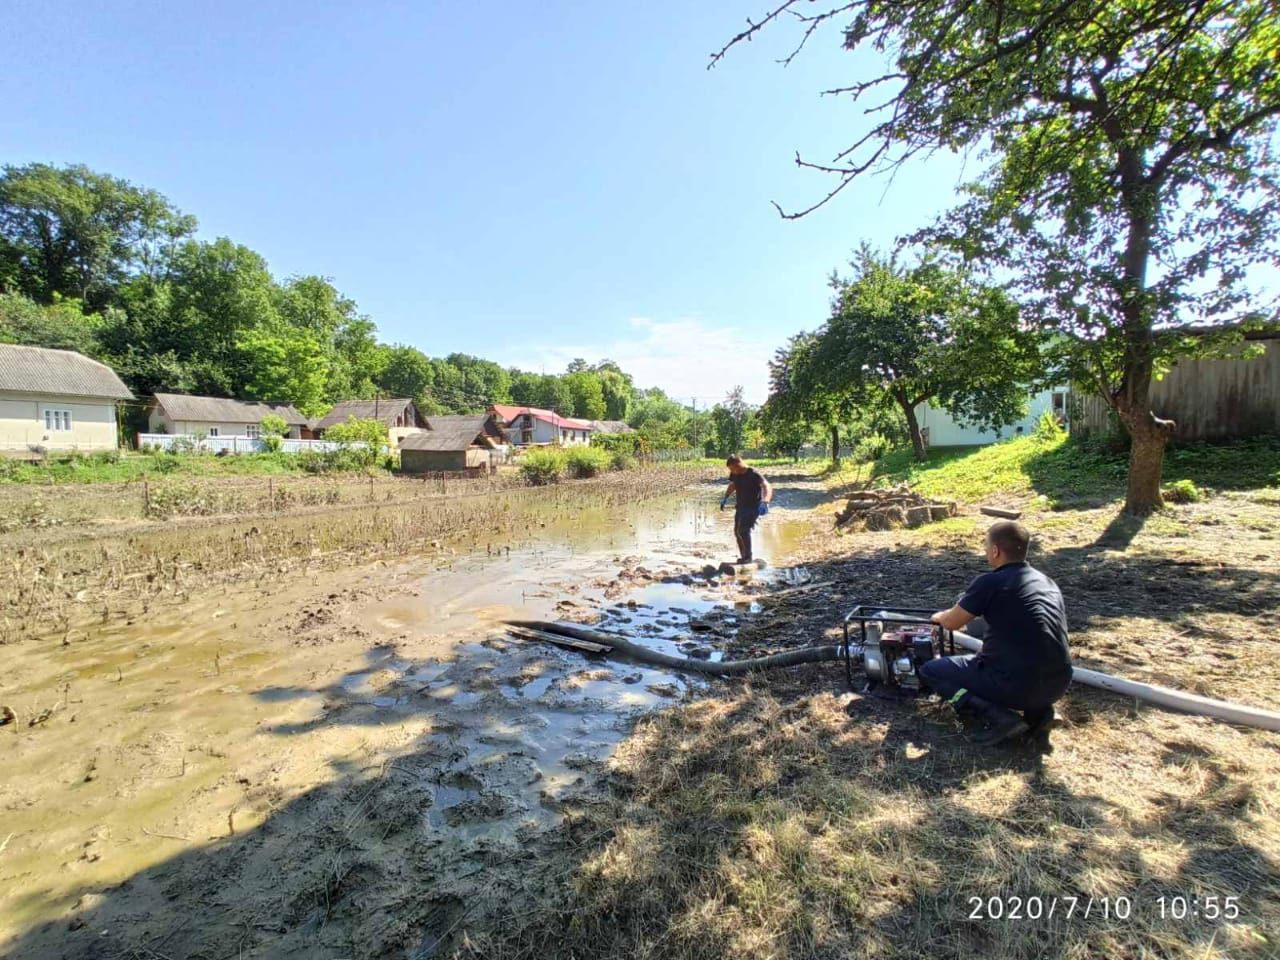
(892, 509)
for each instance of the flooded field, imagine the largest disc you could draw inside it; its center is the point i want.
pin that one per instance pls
(352, 762)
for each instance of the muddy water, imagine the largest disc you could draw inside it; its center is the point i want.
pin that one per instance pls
(160, 760)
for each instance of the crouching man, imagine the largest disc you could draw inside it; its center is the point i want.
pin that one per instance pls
(1025, 664)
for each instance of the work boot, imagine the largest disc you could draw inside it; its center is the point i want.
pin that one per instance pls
(1002, 723)
(1039, 723)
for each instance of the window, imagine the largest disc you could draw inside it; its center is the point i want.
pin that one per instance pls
(57, 420)
(213, 431)
(253, 431)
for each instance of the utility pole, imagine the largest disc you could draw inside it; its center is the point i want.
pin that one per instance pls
(695, 422)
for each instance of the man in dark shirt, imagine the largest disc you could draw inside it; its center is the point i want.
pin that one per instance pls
(1025, 663)
(753, 495)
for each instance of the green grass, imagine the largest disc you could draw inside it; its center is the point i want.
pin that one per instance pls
(99, 468)
(1065, 471)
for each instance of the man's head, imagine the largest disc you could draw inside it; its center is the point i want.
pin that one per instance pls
(735, 465)
(1007, 542)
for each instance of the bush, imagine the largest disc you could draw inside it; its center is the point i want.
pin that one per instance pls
(273, 442)
(871, 447)
(543, 465)
(1183, 491)
(583, 462)
(621, 461)
(1049, 428)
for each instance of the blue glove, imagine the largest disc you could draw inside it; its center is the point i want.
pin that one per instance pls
(724, 501)
(762, 509)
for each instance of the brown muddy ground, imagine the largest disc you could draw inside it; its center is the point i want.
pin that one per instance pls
(335, 763)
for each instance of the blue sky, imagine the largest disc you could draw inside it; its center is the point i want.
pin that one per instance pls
(524, 182)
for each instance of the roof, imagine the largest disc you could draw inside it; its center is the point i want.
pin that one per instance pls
(180, 406)
(611, 426)
(449, 433)
(508, 413)
(61, 372)
(384, 411)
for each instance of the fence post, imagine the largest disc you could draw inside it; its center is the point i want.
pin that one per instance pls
(271, 493)
(146, 499)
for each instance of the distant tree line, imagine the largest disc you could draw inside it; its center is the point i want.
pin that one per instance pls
(92, 263)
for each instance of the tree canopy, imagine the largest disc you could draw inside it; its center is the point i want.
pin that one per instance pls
(1130, 170)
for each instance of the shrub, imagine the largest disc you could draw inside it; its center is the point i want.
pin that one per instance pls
(871, 447)
(274, 425)
(583, 462)
(621, 461)
(107, 456)
(1183, 491)
(543, 465)
(1049, 428)
(372, 432)
(273, 442)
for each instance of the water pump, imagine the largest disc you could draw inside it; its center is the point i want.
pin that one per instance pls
(886, 646)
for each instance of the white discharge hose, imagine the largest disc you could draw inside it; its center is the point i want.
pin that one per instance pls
(1161, 696)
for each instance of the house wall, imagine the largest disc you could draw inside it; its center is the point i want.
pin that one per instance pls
(396, 434)
(432, 461)
(159, 423)
(22, 424)
(943, 431)
(1208, 399)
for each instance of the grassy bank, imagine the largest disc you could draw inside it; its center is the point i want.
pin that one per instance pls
(1066, 471)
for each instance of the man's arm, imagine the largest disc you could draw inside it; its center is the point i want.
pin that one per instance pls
(729, 490)
(954, 619)
(766, 491)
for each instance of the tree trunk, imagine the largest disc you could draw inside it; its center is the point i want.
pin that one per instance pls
(913, 425)
(835, 445)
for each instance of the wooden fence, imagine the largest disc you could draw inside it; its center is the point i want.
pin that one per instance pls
(1208, 399)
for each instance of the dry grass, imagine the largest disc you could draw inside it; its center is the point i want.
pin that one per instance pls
(786, 818)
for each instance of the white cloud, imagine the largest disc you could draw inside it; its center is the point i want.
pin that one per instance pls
(686, 358)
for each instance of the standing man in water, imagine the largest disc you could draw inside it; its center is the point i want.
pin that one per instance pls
(753, 495)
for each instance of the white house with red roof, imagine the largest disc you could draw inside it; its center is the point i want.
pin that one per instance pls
(529, 426)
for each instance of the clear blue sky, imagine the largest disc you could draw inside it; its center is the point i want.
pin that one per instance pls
(527, 182)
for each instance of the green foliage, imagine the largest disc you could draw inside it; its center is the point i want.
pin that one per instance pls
(1131, 188)
(274, 425)
(285, 365)
(1049, 428)
(729, 423)
(61, 325)
(371, 432)
(543, 465)
(1183, 491)
(587, 391)
(582, 462)
(871, 447)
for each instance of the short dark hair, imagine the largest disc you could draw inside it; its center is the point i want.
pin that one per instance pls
(1011, 537)
(734, 461)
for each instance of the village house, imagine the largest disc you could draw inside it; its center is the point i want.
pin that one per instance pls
(453, 444)
(940, 429)
(401, 417)
(216, 417)
(57, 400)
(528, 426)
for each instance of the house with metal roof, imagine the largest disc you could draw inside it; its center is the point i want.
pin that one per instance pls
(453, 444)
(526, 426)
(401, 416)
(183, 415)
(57, 400)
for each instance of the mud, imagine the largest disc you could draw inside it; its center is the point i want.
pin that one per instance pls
(345, 763)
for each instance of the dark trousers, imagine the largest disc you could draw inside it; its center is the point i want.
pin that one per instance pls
(947, 676)
(742, 525)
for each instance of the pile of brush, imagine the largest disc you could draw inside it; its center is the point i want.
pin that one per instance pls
(891, 509)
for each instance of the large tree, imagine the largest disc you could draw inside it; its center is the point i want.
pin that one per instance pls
(907, 336)
(1131, 177)
(803, 395)
(71, 232)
